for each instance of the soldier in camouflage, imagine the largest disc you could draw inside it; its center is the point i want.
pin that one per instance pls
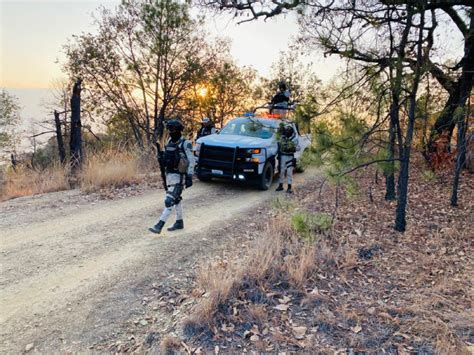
(287, 146)
(179, 165)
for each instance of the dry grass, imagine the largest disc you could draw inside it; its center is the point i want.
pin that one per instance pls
(25, 182)
(170, 345)
(280, 255)
(111, 169)
(217, 280)
(300, 265)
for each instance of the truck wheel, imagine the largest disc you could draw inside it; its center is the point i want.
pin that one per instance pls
(266, 178)
(204, 178)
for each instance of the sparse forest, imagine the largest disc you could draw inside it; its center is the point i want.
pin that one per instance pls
(372, 254)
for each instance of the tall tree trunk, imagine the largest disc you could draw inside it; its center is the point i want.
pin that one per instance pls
(400, 217)
(59, 138)
(394, 129)
(465, 91)
(76, 136)
(390, 175)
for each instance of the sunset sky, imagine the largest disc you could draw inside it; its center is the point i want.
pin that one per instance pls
(34, 31)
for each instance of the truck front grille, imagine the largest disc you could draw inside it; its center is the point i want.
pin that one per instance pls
(220, 158)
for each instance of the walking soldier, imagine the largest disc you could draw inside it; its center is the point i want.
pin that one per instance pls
(178, 161)
(287, 146)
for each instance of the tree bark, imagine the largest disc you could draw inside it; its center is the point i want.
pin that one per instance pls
(390, 175)
(75, 144)
(460, 114)
(59, 138)
(400, 216)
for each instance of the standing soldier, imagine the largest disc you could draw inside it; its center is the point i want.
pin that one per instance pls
(287, 146)
(281, 98)
(179, 166)
(207, 128)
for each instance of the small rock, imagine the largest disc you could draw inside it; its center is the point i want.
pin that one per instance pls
(143, 322)
(29, 347)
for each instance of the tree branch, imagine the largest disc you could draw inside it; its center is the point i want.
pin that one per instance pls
(457, 20)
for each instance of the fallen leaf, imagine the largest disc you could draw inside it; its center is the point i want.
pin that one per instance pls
(356, 329)
(299, 332)
(255, 330)
(282, 307)
(254, 338)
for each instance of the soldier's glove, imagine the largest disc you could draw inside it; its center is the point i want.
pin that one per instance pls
(189, 181)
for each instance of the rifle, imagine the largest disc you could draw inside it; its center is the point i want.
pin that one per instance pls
(161, 163)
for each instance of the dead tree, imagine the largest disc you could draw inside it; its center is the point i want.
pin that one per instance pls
(75, 144)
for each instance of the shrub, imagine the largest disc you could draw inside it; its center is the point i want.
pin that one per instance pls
(307, 224)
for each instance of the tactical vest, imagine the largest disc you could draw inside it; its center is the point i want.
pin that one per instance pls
(287, 145)
(176, 161)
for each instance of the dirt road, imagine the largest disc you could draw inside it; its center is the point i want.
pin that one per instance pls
(74, 268)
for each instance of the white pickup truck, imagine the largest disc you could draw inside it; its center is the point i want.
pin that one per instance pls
(244, 150)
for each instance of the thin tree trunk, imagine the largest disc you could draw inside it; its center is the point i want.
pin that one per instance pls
(400, 217)
(466, 87)
(59, 138)
(390, 175)
(394, 129)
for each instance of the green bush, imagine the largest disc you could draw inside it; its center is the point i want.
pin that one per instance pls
(307, 225)
(429, 175)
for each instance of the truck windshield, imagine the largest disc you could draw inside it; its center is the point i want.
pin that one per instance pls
(248, 127)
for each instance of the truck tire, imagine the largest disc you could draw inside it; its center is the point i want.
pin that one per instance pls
(266, 178)
(204, 178)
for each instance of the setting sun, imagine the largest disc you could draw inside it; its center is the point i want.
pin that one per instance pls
(202, 91)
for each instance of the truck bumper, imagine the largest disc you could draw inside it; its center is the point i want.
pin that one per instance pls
(227, 163)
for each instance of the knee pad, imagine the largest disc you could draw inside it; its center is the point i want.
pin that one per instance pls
(169, 202)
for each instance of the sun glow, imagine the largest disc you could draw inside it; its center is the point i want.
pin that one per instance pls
(202, 91)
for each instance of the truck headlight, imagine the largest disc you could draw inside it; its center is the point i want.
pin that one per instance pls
(254, 151)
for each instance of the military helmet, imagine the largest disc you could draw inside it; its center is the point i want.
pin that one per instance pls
(174, 125)
(289, 131)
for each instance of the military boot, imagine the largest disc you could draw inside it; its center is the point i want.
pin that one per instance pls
(289, 190)
(179, 224)
(279, 188)
(157, 227)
